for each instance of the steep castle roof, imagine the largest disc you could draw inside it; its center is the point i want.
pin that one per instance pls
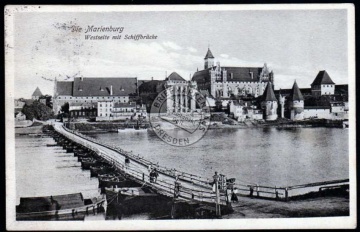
(209, 54)
(121, 86)
(234, 74)
(175, 77)
(295, 94)
(269, 94)
(64, 88)
(323, 78)
(37, 92)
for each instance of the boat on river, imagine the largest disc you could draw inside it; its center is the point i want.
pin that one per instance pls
(133, 129)
(111, 180)
(57, 207)
(128, 200)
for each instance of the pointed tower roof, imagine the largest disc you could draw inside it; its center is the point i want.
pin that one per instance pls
(269, 94)
(323, 78)
(37, 92)
(209, 54)
(295, 94)
(175, 77)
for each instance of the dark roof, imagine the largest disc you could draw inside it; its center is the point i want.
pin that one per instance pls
(236, 74)
(122, 104)
(322, 78)
(39, 204)
(37, 92)
(243, 73)
(269, 93)
(175, 77)
(64, 88)
(287, 92)
(295, 94)
(209, 54)
(316, 107)
(202, 76)
(153, 86)
(121, 86)
(341, 89)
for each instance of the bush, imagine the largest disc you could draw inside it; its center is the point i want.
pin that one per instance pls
(38, 111)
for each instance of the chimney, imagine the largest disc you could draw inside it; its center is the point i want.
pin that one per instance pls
(111, 91)
(152, 78)
(81, 78)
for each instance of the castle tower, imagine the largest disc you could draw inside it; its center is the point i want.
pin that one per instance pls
(224, 84)
(36, 94)
(296, 103)
(269, 103)
(322, 85)
(209, 59)
(282, 104)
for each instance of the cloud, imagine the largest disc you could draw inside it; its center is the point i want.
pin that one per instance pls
(172, 45)
(192, 49)
(224, 56)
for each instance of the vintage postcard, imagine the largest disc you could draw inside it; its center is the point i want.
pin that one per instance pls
(180, 117)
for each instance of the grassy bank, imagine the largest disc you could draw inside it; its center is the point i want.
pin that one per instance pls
(316, 207)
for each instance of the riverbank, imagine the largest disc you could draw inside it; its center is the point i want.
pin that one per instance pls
(316, 207)
(34, 129)
(103, 127)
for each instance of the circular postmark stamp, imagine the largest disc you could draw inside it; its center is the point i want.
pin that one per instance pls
(180, 116)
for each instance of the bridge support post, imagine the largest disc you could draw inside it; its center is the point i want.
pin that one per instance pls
(217, 200)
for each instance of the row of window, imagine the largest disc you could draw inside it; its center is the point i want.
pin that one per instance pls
(91, 97)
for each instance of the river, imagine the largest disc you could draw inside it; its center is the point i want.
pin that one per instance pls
(268, 156)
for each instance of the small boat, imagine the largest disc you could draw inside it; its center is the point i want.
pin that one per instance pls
(115, 180)
(126, 129)
(136, 128)
(87, 162)
(57, 207)
(102, 169)
(129, 200)
(51, 145)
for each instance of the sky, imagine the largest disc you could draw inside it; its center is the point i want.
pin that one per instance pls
(295, 44)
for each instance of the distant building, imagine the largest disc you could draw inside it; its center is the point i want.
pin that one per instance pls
(19, 116)
(269, 103)
(179, 94)
(223, 82)
(19, 104)
(83, 110)
(325, 100)
(241, 111)
(36, 94)
(85, 90)
(322, 85)
(111, 110)
(296, 103)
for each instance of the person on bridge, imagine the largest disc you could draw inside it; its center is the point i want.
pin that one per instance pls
(127, 161)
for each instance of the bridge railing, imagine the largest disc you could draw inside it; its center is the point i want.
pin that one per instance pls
(165, 187)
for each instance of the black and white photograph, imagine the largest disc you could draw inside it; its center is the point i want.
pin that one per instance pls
(152, 117)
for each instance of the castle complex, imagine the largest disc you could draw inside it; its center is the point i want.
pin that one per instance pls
(223, 82)
(243, 92)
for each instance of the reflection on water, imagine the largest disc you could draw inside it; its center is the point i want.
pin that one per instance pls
(266, 156)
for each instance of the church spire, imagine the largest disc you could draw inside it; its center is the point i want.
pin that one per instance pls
(295, 94)
(209, 59)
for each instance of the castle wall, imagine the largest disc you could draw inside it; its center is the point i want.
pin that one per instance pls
(270, 110)
(296, 110)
